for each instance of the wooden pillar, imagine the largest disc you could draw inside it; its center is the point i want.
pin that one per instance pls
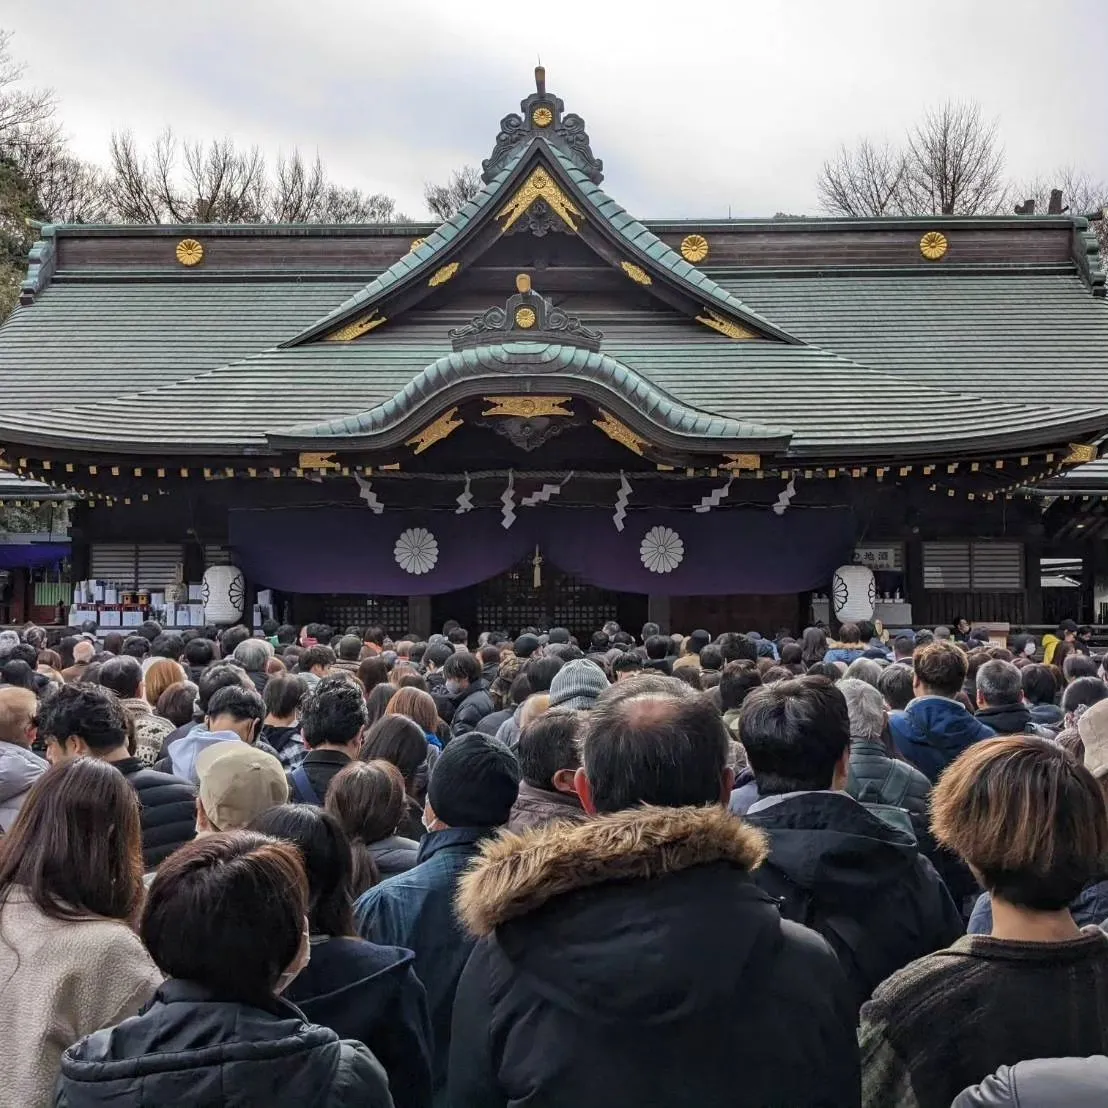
(913, 581)
(1032, 579)
(419, 616)
(657, 611)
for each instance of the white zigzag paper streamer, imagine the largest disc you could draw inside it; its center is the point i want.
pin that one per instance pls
(508, 499)
(465, 501)
(544, 494)
(622, 499)
(784, 497)
(368, 495)
(712, 500)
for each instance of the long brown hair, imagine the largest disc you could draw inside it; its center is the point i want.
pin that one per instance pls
(76, 845)
(368, 800)
(416, 705)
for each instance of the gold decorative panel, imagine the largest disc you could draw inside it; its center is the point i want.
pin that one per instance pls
(356, 329)
(619, 432)
(724, 326)
(1080, 454)
(527, 407)
(542, 116)
(190, 252)
(636, 273)
(742, 461)
(539, 186)
(415, 244)
(435, 432)
(316, 460)
(441, 276)
(933, 245)
(525, 318)
(694, 248)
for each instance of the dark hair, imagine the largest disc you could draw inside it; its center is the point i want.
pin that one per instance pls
(283, 694)
(940, 667)
(1026, 816)
(547, 744)
(599, 640)
(489, 655)
(627, 663)
(458, 635)
(734, 647)
(318, 655)
(1039, 685)
(333, 712)
(199, 652)
(368, 800)
(1079, 665)
(202, 914)
(122, 675)
(824, 669)
(377, 702)
(399, 740)
(136, 646)
(1084, 692)
(736, 682)
(178, 703)
(791, 653)
(437, 654)
(350, 648)
(113, 642)
(650, 629)
(653, 740)
(372, 671)
(168, 645)
(86, 711)
(866, 630)
(813, 645)
(376, 635)
(76, 844)
(462, 664)
(541, 671)
(232, 637)
(849, 633)
(794, 733)
(325, 851)
(895, 685)
(286, 634)
(222, 676)
(711, 657)
(239, 704)
(657, 647)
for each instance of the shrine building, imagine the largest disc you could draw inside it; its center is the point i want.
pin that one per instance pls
(545, 411)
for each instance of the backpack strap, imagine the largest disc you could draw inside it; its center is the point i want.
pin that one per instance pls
(303, 785)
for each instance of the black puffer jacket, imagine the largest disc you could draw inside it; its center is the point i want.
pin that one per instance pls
(630, 960)
(189, 1049)
(470, 707)
(168, 810)
(878, 778)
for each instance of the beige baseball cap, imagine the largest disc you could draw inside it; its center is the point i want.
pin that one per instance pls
(238, 782)
(1093, 729)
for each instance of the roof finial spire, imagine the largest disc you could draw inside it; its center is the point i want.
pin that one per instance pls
(540, 78)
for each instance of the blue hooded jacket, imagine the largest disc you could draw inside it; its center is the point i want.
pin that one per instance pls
(932, 731)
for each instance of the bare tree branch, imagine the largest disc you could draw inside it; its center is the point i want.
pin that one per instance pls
(460, 188)
(863, 181)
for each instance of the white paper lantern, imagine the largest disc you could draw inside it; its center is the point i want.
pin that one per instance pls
(854, 591)
(224, 594)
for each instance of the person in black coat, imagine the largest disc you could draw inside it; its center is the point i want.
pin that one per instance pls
(333, 719)
(218, 1030)
(358, 989)
(833, 865)
(86, 721)
(631, 959)
(464, 699)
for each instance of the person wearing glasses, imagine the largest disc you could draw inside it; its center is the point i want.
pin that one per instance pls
(20, 767)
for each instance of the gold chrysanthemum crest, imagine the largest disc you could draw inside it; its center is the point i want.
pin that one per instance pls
(542, 116)
(525, 318)
(933, 245)
(190, 252)
(694, 248)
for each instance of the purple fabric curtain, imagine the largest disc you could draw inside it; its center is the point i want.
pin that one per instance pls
(339, 550)
(32, 555)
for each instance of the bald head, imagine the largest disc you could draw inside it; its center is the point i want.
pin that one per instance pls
(18, 712)
(83, 653)
(653, 741)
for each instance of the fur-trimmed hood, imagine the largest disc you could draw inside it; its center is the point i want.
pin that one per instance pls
(517, 874)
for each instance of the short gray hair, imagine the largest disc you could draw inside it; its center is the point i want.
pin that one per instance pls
(251, 654)
(1000, 683)
(866, 708)
(865, 669)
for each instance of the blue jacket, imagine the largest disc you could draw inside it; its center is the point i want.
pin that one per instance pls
(1089, 907)
(932, 731)
(845, 654)
(415, 909)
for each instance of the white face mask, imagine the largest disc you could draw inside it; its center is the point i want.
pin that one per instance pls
(1029, 649)
(296, 967)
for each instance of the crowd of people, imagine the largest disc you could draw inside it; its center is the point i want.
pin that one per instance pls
(308, 867)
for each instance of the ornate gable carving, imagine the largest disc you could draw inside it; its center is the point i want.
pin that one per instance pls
(543, 114)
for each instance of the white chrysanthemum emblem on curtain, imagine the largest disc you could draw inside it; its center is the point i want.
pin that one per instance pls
(662, 550)
(416, 551)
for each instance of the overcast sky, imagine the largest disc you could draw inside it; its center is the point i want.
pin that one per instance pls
(696, 108)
